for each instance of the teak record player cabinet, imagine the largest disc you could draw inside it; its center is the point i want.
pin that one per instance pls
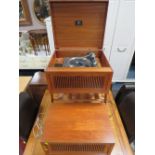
(78, 128)
(78, 27)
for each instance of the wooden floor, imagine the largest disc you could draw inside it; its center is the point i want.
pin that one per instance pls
(121, 147)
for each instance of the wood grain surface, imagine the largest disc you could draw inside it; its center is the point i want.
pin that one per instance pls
(79, 79)
(78, 28)
(77, 127)
(121, 147)
(89, 34)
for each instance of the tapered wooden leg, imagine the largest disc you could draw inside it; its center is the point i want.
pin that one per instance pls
(105, 98)
(52, 99)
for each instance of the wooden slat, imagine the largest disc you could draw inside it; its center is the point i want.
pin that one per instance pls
(79, 69)
(73, 147)
(61, 82)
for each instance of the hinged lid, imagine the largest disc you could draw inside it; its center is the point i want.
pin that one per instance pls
(78, 23)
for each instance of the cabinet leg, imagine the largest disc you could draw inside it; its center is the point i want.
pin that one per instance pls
(52, 99)
(105, 98)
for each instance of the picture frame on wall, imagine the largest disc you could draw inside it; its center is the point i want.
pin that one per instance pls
(24, 14)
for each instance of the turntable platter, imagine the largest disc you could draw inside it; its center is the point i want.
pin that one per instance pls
(77, 62)
(88, 60)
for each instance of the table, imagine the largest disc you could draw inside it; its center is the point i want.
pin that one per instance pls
(121, 147)
(23, 82)
(39, 38)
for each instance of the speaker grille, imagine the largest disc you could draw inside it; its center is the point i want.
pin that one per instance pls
(77, 147)
(78, 82)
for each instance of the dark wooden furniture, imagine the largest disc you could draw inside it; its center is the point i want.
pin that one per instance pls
(28, 110)
(29, 105)
(25, 18)
(78, 28)
(125, 100)
(27, 113)
(39, 40)
(37, 86)
(121, 146)
(79, 128)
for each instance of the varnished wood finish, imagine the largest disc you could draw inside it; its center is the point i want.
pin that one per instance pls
(79, 80)
(68, 34)
(27, 18)
(72, 52)
(37, 91)
(76, 40)
(79, 98)
(78, 128)
(121, 146)
(65, 123)
(39, 79)
(37, 86)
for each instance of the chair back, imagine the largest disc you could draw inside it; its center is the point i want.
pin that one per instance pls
(28, 110)
(125, 100)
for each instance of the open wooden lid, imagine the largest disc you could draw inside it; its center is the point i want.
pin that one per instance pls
(78, 23)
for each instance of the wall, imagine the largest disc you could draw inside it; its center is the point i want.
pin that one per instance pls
(35, 23)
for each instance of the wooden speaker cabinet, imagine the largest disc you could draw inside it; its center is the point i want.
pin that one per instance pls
(78, 28)
(77, 129)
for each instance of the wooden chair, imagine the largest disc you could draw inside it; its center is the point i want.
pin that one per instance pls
(39, 40)
(28, 110)
(125, 100)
